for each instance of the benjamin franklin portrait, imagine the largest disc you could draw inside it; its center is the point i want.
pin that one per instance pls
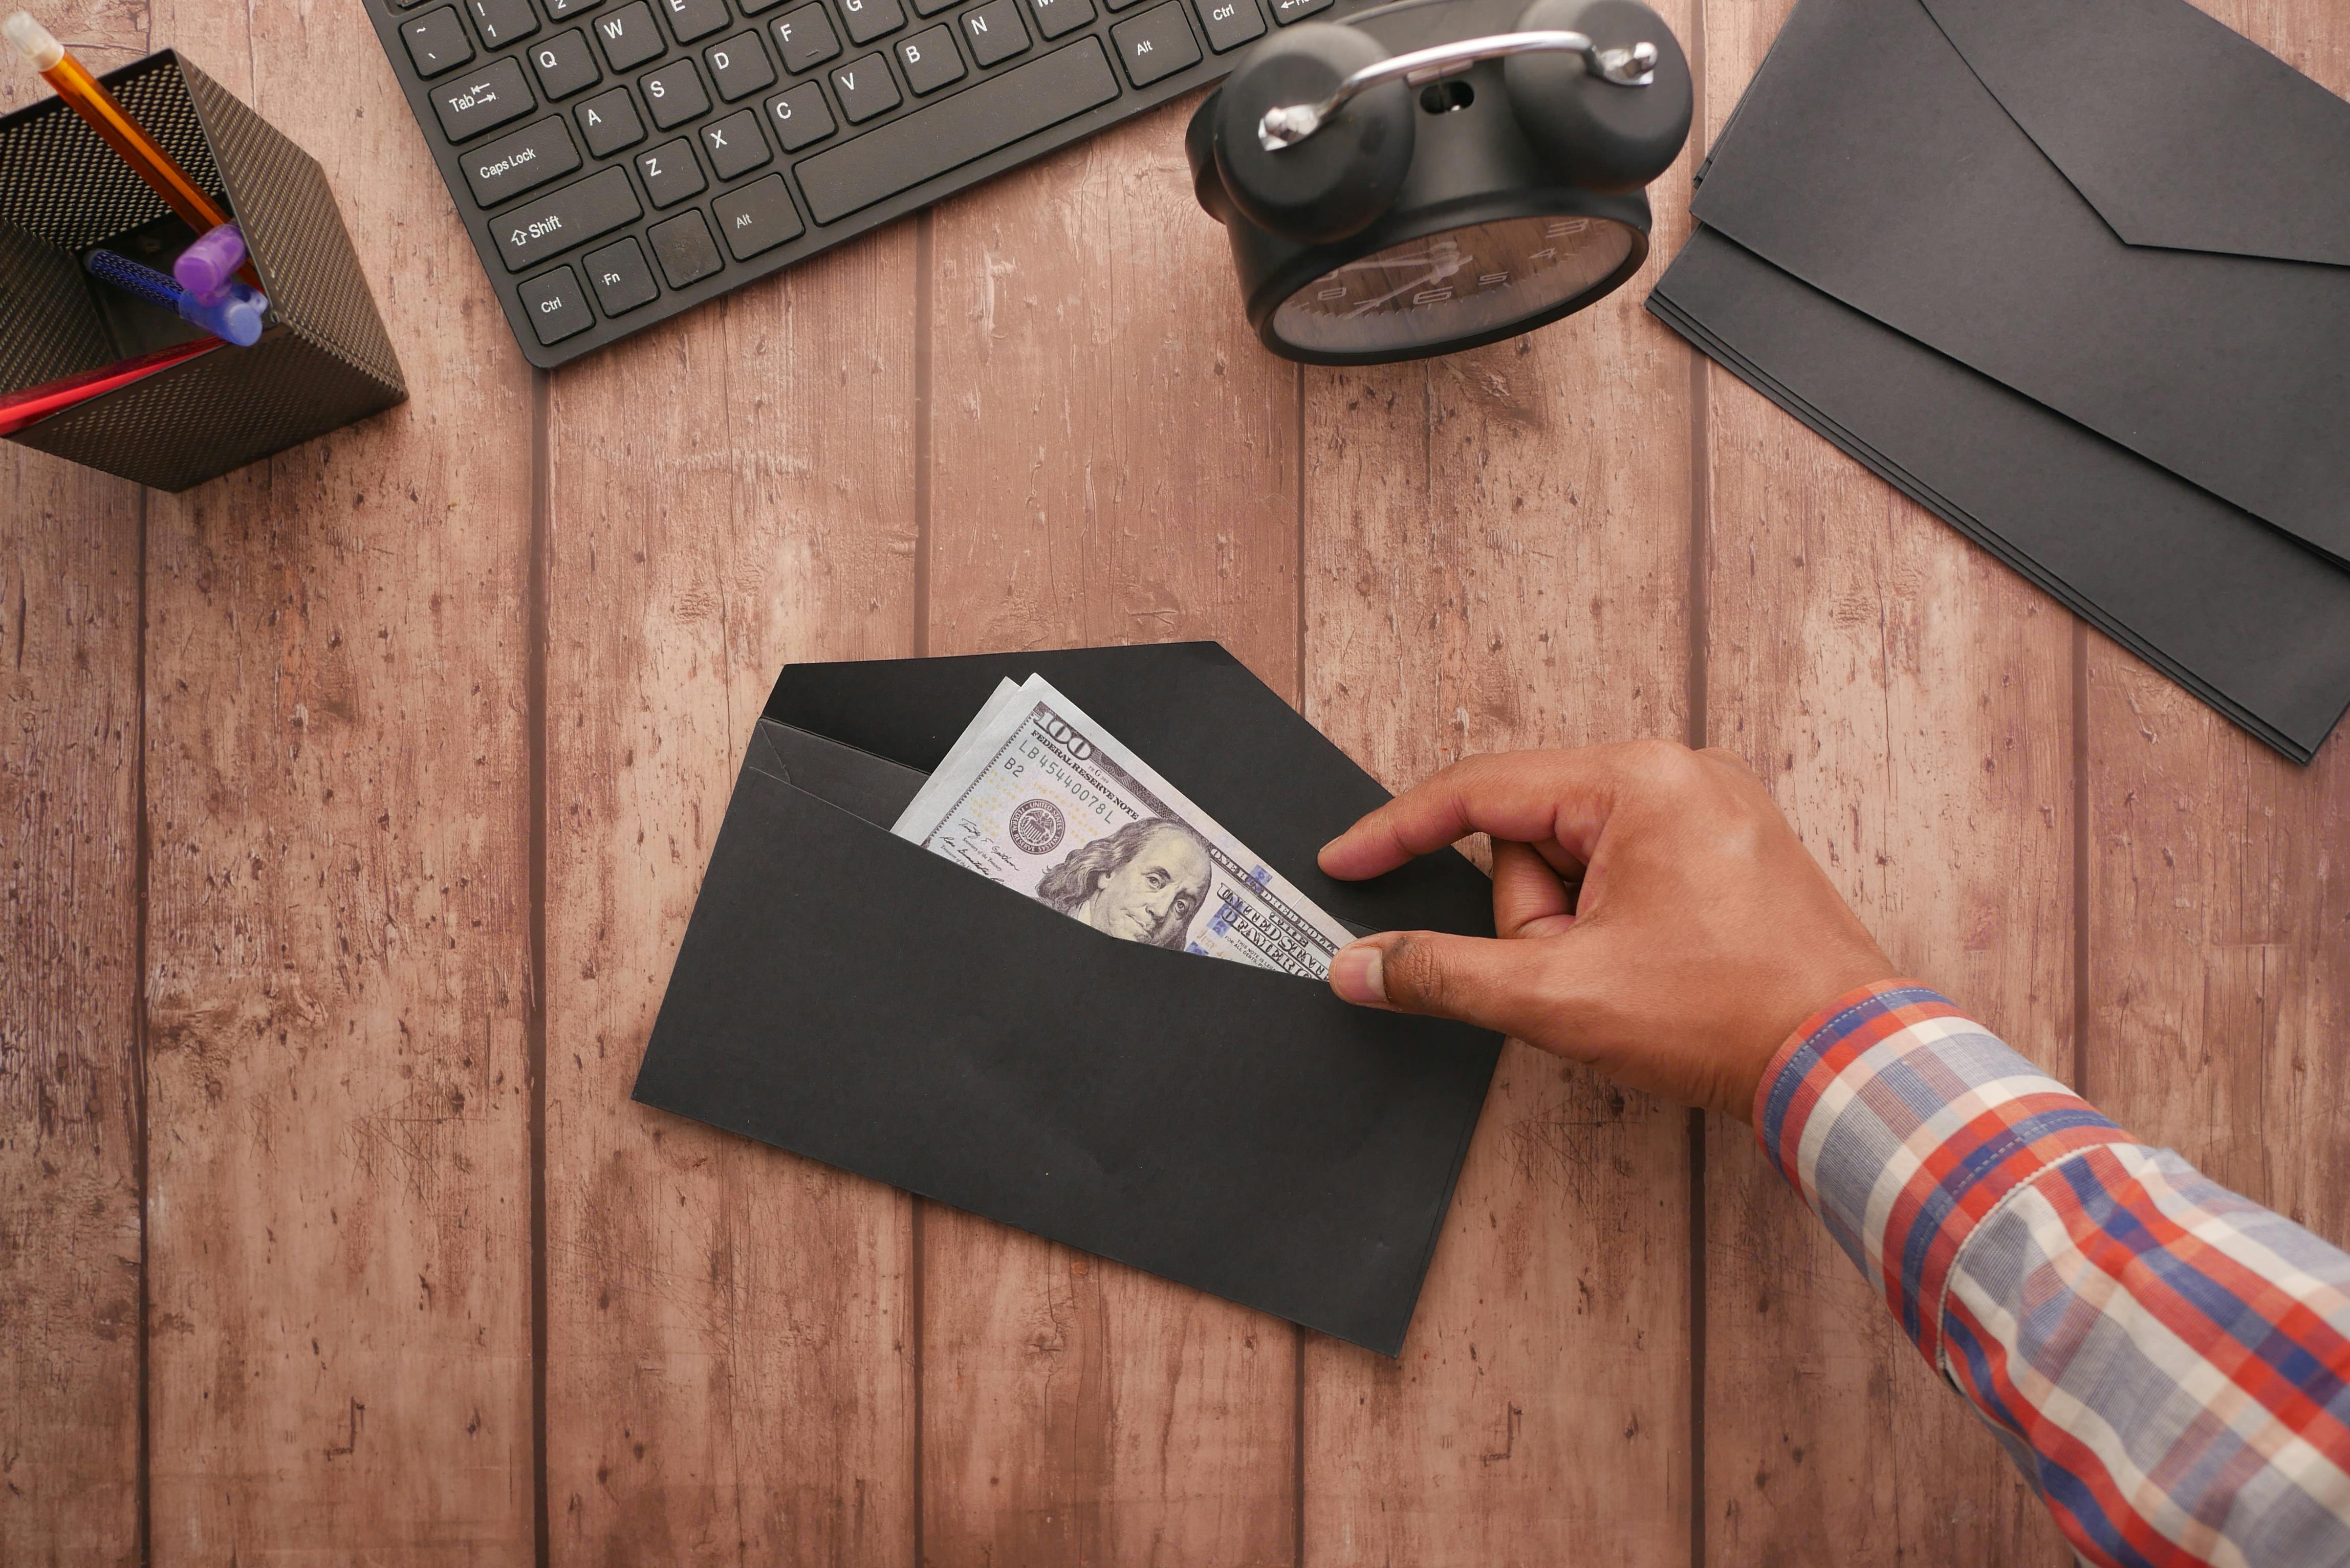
(1142, 883)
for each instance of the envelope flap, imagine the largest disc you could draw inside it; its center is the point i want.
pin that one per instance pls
(2179, 132)
(1192, 711)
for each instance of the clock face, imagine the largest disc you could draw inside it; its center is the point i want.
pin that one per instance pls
(1459, 284)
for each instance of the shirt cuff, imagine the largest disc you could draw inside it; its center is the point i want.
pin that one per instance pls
(1904, 1123)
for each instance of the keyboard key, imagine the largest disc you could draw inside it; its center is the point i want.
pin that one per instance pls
(683, 247)
(800, 117)
(503, 22)
(869, 19)
(1054, 18)
(561, 219)
(502, 170)
(739, 68)
(482, 100)
(1287, 11)
(561, 10)
(557, 309)
(1230, 23)
(692, 19)
(610, 122)
(758, 217)
(1158, 43)
(734, 145)
(929, 59)
(630, 35)
(671, 173)
(995, 31)
(621, 276)
(994, 112)
(931, 7)
(806, 37)
(753, 7)
(565, 64)
(674, 95)
(436, 41)
(864, 88)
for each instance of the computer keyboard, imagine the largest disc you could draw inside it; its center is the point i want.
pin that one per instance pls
(620, 160)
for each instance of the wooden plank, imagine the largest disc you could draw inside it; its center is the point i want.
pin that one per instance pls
(1909, 701)
(1113, 459)
(1497, 558)
(2217, 893)
(338, 956)
(2218, 943)
(729, 1350)
(69, 1125)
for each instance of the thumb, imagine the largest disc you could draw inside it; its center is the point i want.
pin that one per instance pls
(1494, 983)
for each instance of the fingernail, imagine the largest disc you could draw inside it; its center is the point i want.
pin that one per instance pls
(1357, 973)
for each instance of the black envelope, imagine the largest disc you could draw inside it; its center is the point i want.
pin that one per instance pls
(2069, 274)
(2236, 612)
(851, 997)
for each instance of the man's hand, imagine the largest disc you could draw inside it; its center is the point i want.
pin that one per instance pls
(1659, 919)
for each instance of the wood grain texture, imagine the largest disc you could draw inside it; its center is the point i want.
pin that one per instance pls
(1113, 459)
(338, 965)
(1497, 558)
(70, 1151)
(1910, 702)
(730, 1361)
(70, 1076)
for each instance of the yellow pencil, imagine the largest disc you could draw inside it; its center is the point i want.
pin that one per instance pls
(89, 98)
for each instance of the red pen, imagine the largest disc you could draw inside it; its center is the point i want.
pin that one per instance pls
(34, 404)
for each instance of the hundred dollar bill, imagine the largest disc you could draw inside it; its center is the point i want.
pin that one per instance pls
(1037, 795)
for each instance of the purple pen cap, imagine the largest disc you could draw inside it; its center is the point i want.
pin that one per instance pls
(236, 317)
(206, 267)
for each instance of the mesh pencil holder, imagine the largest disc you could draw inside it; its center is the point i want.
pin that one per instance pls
(323, 360)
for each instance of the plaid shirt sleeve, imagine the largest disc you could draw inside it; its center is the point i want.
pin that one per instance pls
(2167, 1362)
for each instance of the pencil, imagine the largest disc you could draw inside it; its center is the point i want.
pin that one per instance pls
(87, 98)
(34, 404)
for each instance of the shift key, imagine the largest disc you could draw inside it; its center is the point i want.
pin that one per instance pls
(531, 233)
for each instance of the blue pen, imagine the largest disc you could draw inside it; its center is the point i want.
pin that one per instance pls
(235, 318)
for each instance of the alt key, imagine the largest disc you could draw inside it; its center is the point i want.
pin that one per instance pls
(558, 308)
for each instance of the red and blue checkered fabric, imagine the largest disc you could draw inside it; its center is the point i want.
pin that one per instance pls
(2168, 1362)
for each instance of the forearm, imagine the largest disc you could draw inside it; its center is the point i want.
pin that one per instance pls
(2173, 1360)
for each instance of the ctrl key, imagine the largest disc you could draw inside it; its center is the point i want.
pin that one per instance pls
(557, 307)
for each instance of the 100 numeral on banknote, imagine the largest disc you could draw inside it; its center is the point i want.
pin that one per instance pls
(1039, 798)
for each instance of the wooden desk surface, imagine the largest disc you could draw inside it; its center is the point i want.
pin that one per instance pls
(351, 808)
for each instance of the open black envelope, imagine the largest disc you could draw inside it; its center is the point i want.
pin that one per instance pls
(854, 998)
(2077, 276)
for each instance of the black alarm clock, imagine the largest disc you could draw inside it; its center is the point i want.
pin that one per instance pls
(1434, 174)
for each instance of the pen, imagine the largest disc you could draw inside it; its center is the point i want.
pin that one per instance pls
(235, 315)
(87, 98)
(32, 404)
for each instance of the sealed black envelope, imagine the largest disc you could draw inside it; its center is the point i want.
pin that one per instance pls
(2243, 616)
(852, 997)
(2123, 211)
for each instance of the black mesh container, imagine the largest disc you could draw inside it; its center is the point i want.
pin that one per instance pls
(324, 360)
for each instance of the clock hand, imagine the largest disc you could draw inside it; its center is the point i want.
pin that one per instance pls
(1444, 269)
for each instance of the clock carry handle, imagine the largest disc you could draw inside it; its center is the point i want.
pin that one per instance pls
(1286, 125)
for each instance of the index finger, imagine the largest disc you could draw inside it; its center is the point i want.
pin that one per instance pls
(1526, 798)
